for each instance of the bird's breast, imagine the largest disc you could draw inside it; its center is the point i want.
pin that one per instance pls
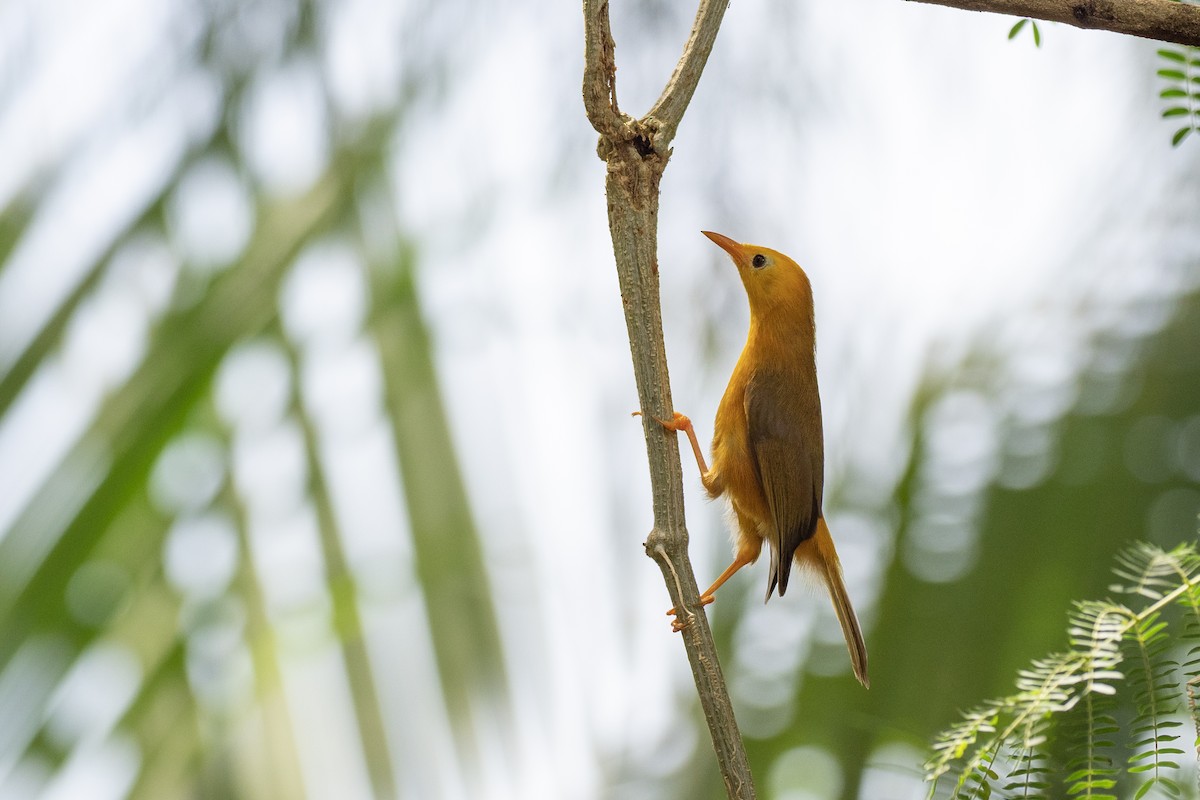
(733, 462)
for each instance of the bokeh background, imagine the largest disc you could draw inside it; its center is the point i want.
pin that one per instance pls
(317, 475)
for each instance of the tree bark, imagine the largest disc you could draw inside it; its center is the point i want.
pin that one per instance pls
(1164, 20)
(636, 152)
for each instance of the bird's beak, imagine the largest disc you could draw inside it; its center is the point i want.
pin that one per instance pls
(735, 250)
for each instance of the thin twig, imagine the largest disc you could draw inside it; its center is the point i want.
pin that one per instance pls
(668, 109)
(1164, 20)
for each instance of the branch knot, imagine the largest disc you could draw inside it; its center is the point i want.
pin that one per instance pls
(639, 136)
(1091, 10)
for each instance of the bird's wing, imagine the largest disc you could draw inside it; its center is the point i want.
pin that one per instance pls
(789, 466)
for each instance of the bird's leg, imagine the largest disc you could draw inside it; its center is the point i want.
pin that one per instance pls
(680, 423)
(706, 596)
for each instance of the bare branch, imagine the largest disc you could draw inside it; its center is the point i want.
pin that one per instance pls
(1164, 20)
(600, 69)
(668, 109)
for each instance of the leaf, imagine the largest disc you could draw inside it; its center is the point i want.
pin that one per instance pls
(1177, 111)
(1173, 55)
(1180, 135)
(1017, 28)
(1172, 74)
(1155, 629)
(1142, 790)
(1093, 783)
(1037, 36)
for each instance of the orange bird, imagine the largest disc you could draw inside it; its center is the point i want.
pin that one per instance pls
(768, 448)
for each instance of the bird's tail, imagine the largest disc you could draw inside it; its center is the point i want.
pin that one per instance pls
(818, 554)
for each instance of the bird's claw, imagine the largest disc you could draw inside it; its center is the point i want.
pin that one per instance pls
(677, 625)
(677, 423)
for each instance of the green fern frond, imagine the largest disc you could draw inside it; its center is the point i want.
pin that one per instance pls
(978, 786)
(1028, 777)
(953, 743)
(1181, 72)
(1091, 774)
(1155, 688)
(1122, 663)
(1042, 691)
(1152, 572)
(1095, 630)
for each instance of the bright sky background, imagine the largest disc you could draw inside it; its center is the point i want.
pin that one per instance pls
(942, 186)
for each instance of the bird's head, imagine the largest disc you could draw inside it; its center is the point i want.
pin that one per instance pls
(774, 283)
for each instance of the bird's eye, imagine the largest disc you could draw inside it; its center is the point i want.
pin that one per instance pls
(759, 261)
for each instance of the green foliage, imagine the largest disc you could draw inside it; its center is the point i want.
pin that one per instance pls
(1033, 26)
(1181, 72)
(1120, 665)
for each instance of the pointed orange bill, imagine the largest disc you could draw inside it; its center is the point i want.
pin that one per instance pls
(725, 243)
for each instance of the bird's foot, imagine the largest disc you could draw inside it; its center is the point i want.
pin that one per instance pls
(678, 624)
(677, 423)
